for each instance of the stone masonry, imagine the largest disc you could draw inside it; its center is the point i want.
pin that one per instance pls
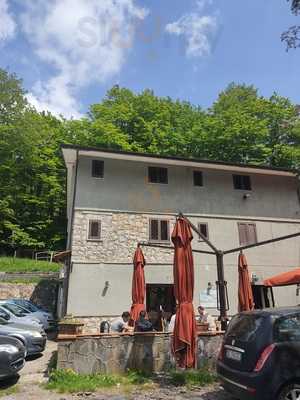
(119, 353)
(120, 233)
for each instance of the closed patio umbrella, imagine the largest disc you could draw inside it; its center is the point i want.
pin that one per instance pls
(184, 341)
(246, 302)
(138, 284)
(286, 278)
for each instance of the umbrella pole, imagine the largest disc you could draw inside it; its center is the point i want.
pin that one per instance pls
(222, 289)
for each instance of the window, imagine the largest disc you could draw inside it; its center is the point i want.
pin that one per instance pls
(241, 182)
(245, 327)
(247, 233)
(97, 169)
(203, 228)
(198, 178)
(287, 329)
(94, 230)
(157, 175)
(159, 230)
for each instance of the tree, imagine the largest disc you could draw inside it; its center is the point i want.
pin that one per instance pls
(32, 205)
(248, 128)
(292, 36)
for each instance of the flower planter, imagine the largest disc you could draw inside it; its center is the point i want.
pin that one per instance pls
(70, 328)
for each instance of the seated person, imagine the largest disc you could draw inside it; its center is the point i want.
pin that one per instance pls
(120, 324)
(204, 317)
(143, 324)
(172, 323)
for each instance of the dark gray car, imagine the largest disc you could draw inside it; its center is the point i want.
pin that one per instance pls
(12, 356)
(34, 339)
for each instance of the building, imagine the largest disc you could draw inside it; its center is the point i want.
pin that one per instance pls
(117, 199)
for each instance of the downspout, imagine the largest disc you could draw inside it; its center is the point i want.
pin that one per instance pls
(69, 243)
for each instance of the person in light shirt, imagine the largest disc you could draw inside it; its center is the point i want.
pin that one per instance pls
(205, 317)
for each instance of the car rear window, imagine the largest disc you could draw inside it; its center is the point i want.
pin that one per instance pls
(244, 327)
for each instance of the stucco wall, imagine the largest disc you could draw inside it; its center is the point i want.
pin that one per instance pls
(118, 354)
(125, 187)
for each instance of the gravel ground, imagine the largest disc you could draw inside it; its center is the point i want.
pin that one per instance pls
(34, 374)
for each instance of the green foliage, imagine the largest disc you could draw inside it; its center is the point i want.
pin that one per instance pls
(67, 381)
(11, 264)
(240, 127)
(201, 377)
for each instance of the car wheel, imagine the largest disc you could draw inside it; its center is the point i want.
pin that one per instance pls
(290, 392)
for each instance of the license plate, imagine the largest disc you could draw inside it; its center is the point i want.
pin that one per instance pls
(233, 355)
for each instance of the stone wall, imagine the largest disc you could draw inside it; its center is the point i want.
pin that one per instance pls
(120, 233)
(43, 293)
(118, 353)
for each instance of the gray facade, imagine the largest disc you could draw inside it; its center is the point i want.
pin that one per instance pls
(124, 202)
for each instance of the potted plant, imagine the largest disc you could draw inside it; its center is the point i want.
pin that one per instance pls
(70, 326)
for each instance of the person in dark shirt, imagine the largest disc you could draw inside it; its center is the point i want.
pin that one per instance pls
(143, 324)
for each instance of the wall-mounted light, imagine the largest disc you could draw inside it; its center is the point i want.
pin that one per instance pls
(105, 288)
(246, 196)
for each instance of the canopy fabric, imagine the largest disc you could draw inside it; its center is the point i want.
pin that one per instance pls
(246, 302)
(138, 285)
(184, 340)
(284, 279)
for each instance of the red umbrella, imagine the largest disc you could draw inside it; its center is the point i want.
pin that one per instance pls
(184, 341)
(138, 285)
(246, 302)
(284, 279)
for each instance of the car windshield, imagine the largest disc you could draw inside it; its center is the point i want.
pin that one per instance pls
(13, 308)
(244, 327)
(3, 321)
(25, 304)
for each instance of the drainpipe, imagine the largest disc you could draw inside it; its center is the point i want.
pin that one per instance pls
(68, 264)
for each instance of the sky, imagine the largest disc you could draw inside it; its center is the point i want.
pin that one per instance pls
(70, 52)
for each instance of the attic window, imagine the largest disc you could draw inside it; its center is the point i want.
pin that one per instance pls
(157, 175)
(198, 178)
(241, 182)
(97, 169)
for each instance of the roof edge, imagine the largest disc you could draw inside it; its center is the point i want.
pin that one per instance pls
(176, 158)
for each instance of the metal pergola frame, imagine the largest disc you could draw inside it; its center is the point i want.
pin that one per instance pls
(223, 305)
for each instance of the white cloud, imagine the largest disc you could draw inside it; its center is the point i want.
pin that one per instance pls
(84, 41)
(7, 23)
(199, 30)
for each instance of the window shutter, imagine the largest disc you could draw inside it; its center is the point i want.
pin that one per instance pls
(154, 229)
(252, 237)
(243, 233)
(198, 178)
(157, 175)
(94, 229)
(164, 230)
(97, 168)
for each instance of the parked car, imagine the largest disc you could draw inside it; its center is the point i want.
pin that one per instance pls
(34, 339)
(12, 356)
(260, 355)
(45, 318)
(18, 315)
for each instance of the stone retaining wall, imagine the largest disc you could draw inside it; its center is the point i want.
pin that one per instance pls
(118, 353)
(43, 293)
